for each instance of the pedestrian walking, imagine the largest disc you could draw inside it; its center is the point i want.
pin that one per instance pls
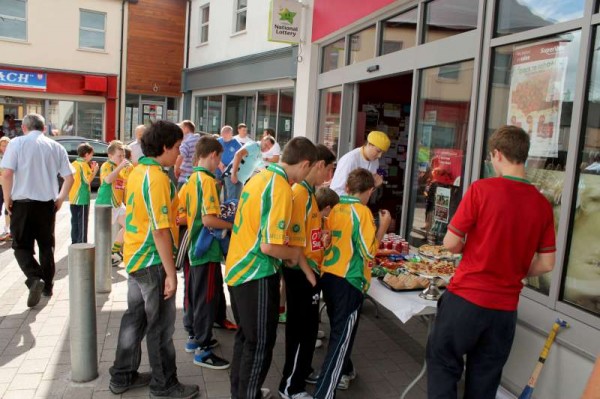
(30, 167)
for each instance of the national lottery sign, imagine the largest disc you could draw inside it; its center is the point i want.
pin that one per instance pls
(285, 21)
(22, 80)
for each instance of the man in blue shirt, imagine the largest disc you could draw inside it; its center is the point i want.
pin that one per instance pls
(184, 164)
(230, 147)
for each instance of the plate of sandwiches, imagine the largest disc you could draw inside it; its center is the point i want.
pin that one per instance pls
(407, 282)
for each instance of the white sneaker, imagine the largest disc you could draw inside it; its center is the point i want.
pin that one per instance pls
(301, 395)
(320, 334)
(265, 393)
(344, 383)
(318, 343)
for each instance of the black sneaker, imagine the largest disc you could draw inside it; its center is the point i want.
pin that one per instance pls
(141, 380)
(209, 360)
(312, 378)
(179, 391)
(35, 293)
(47, 292)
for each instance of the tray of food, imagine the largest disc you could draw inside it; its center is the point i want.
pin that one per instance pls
(438, 252)
(407, 282)
(439, 268)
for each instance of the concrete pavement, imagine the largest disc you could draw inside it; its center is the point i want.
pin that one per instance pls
(35, 353)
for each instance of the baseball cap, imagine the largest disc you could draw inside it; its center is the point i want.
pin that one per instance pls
(379, 140)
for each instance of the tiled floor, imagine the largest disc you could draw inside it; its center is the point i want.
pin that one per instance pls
(35, 346)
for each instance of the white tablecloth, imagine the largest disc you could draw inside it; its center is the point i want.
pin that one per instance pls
(403, 305)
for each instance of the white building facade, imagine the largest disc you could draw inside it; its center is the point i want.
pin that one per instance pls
(61, 59)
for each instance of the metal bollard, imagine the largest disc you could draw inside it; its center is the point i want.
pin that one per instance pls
(103, 241)
(82, 312)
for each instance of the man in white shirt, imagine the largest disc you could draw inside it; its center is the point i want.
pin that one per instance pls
(135, 146)
(242, 136)
(271, 151)
(31, 165)
(366, 157)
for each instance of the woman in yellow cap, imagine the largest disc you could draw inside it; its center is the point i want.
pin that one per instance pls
(366, 157)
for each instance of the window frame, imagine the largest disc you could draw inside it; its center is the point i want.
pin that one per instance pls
(87, 29)
(201, 24)
(14, 18)
(237, 11)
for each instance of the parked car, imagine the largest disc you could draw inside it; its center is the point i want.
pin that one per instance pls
(100, 151)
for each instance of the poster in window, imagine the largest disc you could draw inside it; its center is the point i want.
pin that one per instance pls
(442, 204)
(536, 87)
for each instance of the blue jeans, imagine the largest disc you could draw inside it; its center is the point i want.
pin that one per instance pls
(79, 223)
(232, 191)
(148, 313)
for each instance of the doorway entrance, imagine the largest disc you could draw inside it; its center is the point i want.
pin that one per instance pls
(385, 105)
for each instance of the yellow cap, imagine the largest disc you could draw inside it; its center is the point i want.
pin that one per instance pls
(379, 140)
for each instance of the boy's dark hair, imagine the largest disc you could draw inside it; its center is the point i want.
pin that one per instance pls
(270, 132)
(297, 150)
(158, 136)
(205, 146)
(83, 149)
(325, 154)
(512, 142)
(127, 150)
(326, 197)
(359, 181)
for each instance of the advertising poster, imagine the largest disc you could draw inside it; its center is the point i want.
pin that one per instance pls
(285, 21)
(442, 204)
(536, 86)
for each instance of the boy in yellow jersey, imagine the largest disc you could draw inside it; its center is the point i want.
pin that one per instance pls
(346, 275)
(258, 243)
(205, 277)
(112, 187)
(150, 241)
(302, 324)
(79, 195)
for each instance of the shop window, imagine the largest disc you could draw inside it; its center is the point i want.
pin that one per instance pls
(520, 15)
(330, 118)
(92, 29)
(334, 55)
(582, 283)
(399, 32)
(538, 98)
(285, 119)
(132, 115)
(201, 114)
(266, 111)
(237, 111)
(445, 18)
(438, 164)
(172, 110)
(60, 118)
(240, 12)
(90, 120)
(362, 45)
(204, 17)
(213, 123)
(449, 72)
(13, 19)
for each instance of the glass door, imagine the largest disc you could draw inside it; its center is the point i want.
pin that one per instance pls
(152, 112)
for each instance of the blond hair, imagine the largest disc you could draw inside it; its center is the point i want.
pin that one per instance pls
(114, 146)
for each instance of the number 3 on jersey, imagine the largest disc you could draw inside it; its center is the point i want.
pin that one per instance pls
(332, 254)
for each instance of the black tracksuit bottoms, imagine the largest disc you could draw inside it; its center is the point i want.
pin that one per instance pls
(255, 306)
(204, 288)
(300, 330)
(344, 304)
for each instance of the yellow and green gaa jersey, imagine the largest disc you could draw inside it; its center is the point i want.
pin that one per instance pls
(201, 198)
(181, 209)
(353, 242)
(110, 194)
(151, 205)
(262, 216)
(305, 225)
(82, 176)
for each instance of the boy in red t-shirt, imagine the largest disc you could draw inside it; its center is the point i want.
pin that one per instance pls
(505, 230)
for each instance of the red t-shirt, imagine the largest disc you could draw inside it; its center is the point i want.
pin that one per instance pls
(506, 221)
